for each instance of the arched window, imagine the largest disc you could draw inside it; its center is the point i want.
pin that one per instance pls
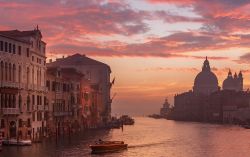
(1, 71)
(28, 103)
(14, 101)
(37, 77)
(10, 101)
(10, 71)
(6, 100)
(28, 75)
(2, 100)
(20, 101)
(19, 74)
(33, 76)
(6, 71)
(14, 73)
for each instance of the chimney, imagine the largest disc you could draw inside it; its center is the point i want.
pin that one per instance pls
(50, 60)
(63, 57)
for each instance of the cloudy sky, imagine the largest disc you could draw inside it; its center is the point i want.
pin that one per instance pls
(154, 47)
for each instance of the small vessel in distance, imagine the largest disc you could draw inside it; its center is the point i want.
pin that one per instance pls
(126, 120)
(246, 126)
(108, 146)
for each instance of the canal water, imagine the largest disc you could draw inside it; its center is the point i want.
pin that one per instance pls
(148, 138)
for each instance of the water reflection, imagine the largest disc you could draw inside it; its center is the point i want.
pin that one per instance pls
(149, 137)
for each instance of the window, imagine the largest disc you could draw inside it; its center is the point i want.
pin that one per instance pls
(53, 86)
(38, 102)
(14, 49)
(48, 84)
(20, 123)
(33, 99)
(28, 52)
(10, 48)
(6, 47)
(19, 50)
(32, 58)
(1, 45)
(33, 116)
(28, 123)
(44, 100)
(2, 123)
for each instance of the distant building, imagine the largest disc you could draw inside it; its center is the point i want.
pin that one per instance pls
(165, 109)
(22, 87)
(210, 104)
(233, 82)
(96, 72)
(206, 81)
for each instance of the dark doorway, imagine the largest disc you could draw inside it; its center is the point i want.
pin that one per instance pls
(12, 129)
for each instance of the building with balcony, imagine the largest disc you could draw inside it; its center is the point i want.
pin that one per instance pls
(22, 67)
(64, 107)
(96, 72)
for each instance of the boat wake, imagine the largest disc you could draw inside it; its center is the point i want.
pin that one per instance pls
(145, 145)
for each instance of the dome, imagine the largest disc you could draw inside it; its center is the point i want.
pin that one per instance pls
(228, 83)
(206, 78)
(233, 83)
(206, 81)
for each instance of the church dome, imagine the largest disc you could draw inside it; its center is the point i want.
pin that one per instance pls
(206, 78)
(206, 81)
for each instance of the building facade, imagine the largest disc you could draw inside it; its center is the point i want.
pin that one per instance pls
(210, 104)
(22, 87)
(233, 82)
(74, 104)
(97, 73)
(206, 81)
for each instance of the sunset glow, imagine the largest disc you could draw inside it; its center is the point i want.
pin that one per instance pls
(155, 48)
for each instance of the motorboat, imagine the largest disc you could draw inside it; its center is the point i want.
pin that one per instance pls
(15, 142)
(246, 126)
(126, 120)
(108, 146)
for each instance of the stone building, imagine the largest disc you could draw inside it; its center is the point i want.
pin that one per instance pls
(63, 87)
(74, 104)
(22, 87)
(96, 72)
(233, 82)
(165, 108)
(210, 104)
(206, 81)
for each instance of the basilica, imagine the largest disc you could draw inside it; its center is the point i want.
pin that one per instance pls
(209, 102)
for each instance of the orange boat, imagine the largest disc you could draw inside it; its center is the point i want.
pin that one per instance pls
(108, 146)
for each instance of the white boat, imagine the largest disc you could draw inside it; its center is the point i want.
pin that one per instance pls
(16, 142)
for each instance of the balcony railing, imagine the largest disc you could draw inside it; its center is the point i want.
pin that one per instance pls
(11, 84)
(10, 111)
(62, 113)
(40, 107)
(46, 107)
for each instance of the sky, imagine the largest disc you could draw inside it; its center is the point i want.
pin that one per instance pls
(155, 48)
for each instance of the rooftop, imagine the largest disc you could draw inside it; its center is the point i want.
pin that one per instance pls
(76, 59)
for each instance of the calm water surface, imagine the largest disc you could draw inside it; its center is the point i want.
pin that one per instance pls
(147, 138)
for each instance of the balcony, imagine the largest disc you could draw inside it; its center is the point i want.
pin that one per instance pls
(10, 84)
(46, 107)
(30, 86)
(62, 113)
(10, 111)
(40, 107)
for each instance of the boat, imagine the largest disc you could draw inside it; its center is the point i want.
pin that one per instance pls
(108, 146)
(15, 142)
(246, 126)
(126, 120)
